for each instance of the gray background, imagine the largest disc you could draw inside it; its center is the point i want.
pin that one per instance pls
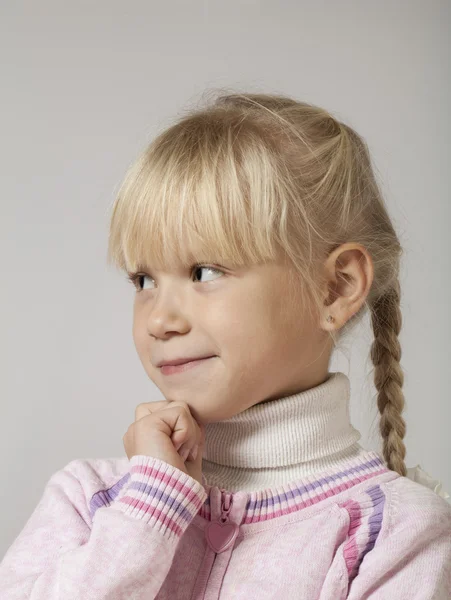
(84, 86)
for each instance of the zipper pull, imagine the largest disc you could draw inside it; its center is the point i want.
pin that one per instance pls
(221, 534)
(226, 506)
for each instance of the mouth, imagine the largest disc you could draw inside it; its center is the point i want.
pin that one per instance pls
(174, 369)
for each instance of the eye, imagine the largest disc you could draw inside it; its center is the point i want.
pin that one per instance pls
(137, 279)
(205, 268)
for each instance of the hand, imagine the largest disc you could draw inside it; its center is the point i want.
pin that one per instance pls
(167, 430)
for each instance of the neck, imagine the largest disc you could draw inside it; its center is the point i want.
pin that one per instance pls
(279, 441)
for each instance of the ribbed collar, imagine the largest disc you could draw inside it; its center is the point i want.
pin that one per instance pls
(283, 440)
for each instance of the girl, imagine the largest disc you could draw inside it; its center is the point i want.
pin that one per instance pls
(277, 203)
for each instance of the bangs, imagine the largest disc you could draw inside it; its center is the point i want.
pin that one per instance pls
(206, 190)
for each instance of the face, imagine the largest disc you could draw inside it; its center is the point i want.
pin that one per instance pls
(265, 344)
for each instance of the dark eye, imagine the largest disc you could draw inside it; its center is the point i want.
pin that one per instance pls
(137, 279)
(204, 268)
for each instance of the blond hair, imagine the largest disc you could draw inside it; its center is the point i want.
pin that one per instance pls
(249, 175)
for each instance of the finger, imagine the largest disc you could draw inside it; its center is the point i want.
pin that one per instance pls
(146, 408)
(189, 452)
(178, 424)
(188, 435)
(193, 466)
(187, 428)
(185, 452)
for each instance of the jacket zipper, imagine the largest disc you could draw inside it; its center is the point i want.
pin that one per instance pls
(226, 505)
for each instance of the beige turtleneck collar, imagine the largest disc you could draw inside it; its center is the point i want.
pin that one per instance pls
(282, 440)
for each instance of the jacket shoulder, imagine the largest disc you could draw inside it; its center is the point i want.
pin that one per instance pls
(413, 503)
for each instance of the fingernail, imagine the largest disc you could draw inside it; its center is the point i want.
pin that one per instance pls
(194, 451)
(184, 454)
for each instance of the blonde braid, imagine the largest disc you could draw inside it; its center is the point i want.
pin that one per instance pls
(388, 376)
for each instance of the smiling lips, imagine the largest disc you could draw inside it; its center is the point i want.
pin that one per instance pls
(167, 369)
(181, 361)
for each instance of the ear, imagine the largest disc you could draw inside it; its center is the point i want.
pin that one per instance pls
(349, 273)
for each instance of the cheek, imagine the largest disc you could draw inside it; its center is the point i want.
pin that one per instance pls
(139, 336)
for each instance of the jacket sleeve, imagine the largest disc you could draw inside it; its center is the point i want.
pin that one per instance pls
(410, 557)
(127, 552)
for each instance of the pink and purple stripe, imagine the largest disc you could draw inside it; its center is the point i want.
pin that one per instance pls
(147, 486)
(269, 504)
(365, 522)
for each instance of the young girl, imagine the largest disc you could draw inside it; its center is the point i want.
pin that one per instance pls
(247, 481)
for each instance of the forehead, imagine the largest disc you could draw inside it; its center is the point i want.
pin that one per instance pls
(180, 261)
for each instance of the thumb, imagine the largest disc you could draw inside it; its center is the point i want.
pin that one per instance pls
(194, 466)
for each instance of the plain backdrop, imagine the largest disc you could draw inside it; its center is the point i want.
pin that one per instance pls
(84, 87)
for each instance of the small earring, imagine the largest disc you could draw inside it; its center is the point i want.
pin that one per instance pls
(330, 319)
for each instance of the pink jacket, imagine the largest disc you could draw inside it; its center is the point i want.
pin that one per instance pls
(141, 529)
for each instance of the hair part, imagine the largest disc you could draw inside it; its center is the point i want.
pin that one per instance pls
(251, 177)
